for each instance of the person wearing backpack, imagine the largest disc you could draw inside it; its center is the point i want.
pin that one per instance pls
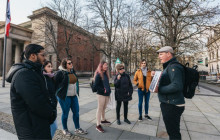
(170, 92)
(31, 105)
(101, 84)
(123, 92)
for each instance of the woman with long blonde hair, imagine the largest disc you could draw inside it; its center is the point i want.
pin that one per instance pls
(101, 83)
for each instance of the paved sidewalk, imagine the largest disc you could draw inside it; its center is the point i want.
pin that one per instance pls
(4, 135)
(200, 120)
(213, 87)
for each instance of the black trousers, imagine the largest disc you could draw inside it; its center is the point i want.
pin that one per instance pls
(171, 117)
(118, 106)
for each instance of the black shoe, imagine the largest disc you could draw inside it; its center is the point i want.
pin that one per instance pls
(148, 117)
(140, 118)
(118, 122)
(127, 121)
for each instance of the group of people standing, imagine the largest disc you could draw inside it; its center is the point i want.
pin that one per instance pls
(35, 90)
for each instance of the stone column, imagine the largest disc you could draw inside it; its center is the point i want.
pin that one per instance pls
(8, 54)
(17, 53)
(1, 56)
(25, 44)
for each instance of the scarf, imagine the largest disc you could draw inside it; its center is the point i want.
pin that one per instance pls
(144, 71)
(51, 75)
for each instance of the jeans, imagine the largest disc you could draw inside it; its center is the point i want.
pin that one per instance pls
(53, 128)
(118, 106)
(69, 102)
(146, 96)
(171, 117)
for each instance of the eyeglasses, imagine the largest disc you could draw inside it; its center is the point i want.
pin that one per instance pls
(121, 68)
(42, 54)
(70, 63)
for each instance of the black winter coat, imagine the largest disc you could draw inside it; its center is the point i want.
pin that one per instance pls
(123, 88)
(170, 89)
(52, 90)
(61, 79)
(30, 102)
(99, 85)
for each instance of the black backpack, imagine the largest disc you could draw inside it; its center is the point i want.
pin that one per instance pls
(93, 87)
(191, 80)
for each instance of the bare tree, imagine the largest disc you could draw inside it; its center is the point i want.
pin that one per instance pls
(66, 15)
(133, 41)
(179, 23)
(106, 16)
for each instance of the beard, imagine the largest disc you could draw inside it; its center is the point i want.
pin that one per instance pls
(40, 62)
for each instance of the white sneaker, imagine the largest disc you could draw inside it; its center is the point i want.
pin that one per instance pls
(80, 131)
(66, 133)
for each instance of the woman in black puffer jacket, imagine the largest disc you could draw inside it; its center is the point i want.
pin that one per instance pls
(123, 92)
(48, 74)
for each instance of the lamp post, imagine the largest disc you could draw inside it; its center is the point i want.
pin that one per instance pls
(217, 72)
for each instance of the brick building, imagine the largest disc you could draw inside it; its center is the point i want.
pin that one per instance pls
(38, 30)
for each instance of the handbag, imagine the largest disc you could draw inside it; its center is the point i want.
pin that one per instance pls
(111, 104)
(93, 87)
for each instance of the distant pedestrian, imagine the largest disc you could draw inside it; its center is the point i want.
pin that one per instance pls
(48, 74)
(142, 79)
(123, 92)
(67, 89)
(31, 105)
(101, 83)
(170, 92)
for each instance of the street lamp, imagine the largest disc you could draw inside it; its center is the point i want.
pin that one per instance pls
(218, 68)
(217, 72)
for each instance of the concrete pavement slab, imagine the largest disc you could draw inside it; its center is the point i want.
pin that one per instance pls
(4, 135)
(202, 128)
(124, 125)
(196, 119)
(146, 129)
(203, 136)
(133, 136)
(212, 115)
(193, 113)
(110, 133)
(185, 134)
(214, 121)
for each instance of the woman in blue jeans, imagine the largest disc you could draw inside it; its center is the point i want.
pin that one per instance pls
(67, 91)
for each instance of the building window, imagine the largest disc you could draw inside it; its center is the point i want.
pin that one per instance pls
(78, 63)
(206, 62)
(85, 64)
(50, 58)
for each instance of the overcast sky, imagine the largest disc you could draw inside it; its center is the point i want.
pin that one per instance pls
(20, 9)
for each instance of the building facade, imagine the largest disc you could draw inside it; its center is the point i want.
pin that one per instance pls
(213, 47)
(49, 30)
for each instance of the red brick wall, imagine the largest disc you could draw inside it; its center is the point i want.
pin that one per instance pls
(81, 51)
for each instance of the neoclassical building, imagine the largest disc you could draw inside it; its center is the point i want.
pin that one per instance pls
(213, 46)
(48, 29)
